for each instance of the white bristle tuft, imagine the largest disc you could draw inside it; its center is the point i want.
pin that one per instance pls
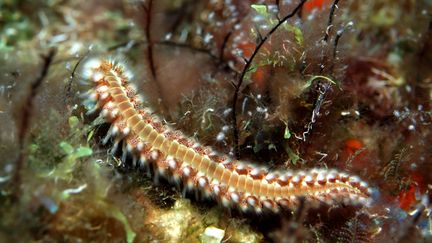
(225, 202)
(202, 182)
(97, 76)
(172, 163)
(321, 177)
(93, 96)
(251, 201)
(126, 131)
(235, 197)
(104, 96)
(216, 189)
(154, 155)
(186, 171)
(140, 146)
(90, 66)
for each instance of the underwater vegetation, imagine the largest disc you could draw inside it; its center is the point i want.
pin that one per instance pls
(325, 89)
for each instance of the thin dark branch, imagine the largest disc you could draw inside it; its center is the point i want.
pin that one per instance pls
(224, 45)
(263, 41)
(335, 45)
(222, 50)
(246, 69)
(336, 42)
(72, 76)
(26, 113)
(187, 46)
(327, 32)
(225, 41)
(148, 32)
(330, 20)
(323, 87)
(339, 34)
(134, 43)
(277, 2)
(259, 36)
(150, 52)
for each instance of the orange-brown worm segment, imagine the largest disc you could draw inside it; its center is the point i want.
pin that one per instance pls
(232, 182)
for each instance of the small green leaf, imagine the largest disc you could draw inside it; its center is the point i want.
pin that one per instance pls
(33, 148)
(287, 133)
(73, 121)
(272, 146)
(83, 152)
(292, 155)
(260, 8)
(116, 213)
(90, 135)
(67, 148)
(298, 34)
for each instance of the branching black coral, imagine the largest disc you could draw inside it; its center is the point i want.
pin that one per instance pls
(237, 86)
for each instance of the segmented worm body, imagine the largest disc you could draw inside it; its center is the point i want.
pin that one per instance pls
(231, 182)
